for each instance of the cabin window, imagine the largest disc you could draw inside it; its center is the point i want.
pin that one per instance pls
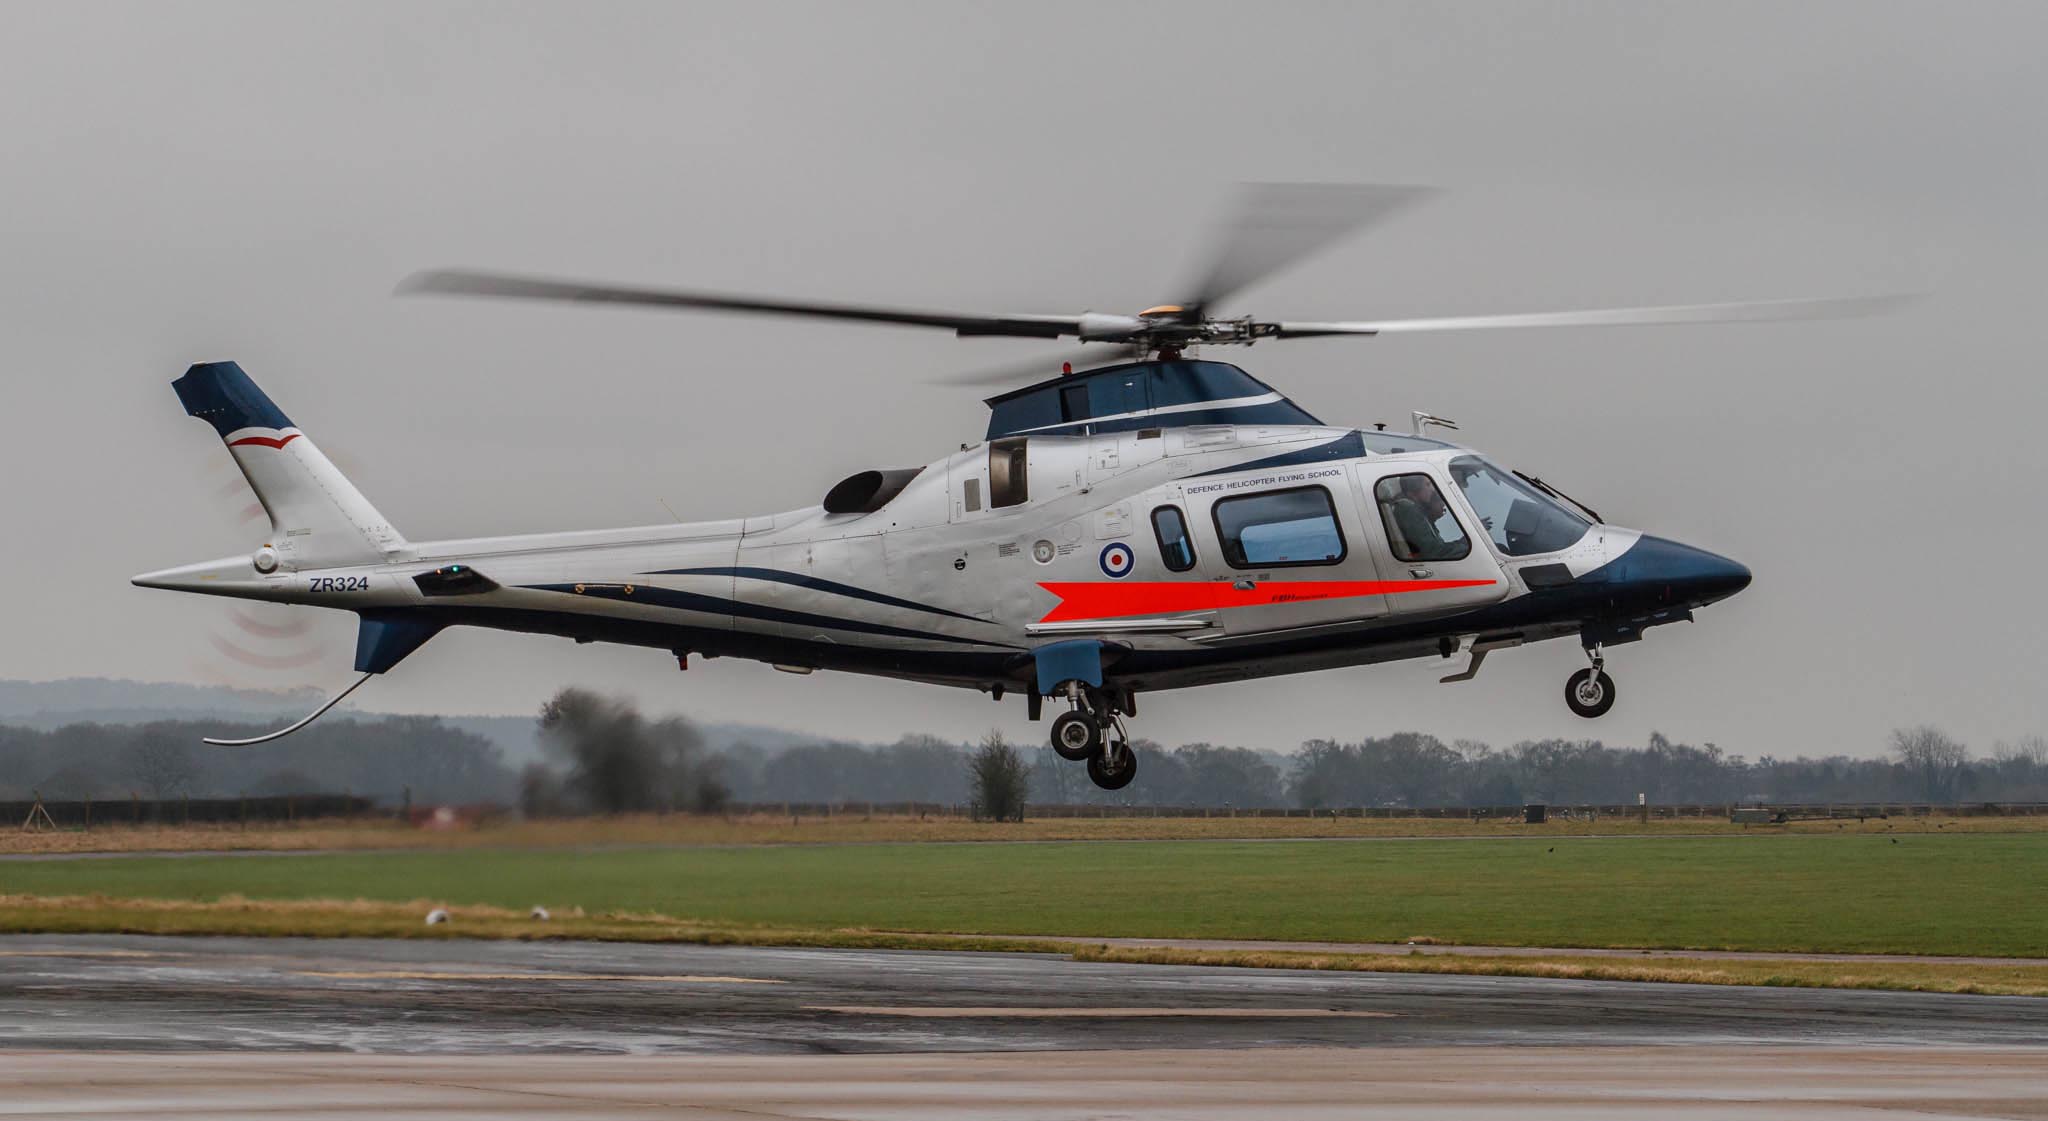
(1176, 548)
(1420, 525)
(970, 495)
(1008, 484)
(1279, 528)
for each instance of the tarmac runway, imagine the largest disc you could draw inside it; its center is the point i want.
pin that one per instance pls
(134, 1026)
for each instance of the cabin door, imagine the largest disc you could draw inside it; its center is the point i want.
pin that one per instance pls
(1433, 562)
(1289, 556)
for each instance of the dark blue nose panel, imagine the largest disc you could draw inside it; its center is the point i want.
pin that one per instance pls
(1656, 572)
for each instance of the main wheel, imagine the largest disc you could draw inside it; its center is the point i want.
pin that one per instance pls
(1118, 772)
(1589, 694)
(1076, 736)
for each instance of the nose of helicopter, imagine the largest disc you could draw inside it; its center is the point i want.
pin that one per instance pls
(1667, 572)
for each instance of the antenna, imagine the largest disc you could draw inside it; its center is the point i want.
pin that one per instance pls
(1424, 420)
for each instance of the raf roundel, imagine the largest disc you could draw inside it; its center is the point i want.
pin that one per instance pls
(1116, 560)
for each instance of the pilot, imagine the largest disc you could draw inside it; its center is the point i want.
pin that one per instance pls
(1416, 513)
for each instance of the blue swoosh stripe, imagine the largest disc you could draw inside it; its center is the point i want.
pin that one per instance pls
(712, 605)
(1351, 445)
(777, 576)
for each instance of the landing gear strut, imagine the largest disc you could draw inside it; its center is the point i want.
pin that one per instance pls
(1590, 692)
(1093, 731)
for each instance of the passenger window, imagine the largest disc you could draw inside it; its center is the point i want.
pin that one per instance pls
(1279, 528)
(1176, 548)
(1420, 525)
(1007, 485)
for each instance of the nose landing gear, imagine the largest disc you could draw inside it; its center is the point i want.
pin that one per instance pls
(1093, 732)
(1590, 692)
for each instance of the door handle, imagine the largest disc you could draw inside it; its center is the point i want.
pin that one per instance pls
(1420, 573)
(1244, 585)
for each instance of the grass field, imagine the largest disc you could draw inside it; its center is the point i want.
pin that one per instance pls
(853, 828)
(362, 919)
(1927, 893)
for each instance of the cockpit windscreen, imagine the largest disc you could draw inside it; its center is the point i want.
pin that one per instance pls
(1521, 520)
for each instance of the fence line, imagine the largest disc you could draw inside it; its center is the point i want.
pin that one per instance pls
(91, 813)
(87, 813)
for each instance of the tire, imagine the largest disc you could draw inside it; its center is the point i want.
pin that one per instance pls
(1589, 696)
(1076, 737)
(1125, 770)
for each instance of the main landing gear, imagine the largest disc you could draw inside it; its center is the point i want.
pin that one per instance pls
(1590, 692)
(1093, 731)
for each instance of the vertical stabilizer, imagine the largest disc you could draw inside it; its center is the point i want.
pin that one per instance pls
(317, 517)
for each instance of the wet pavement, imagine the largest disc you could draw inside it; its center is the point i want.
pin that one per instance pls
(454, 997)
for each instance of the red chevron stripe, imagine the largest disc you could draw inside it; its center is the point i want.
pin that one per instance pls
(266, 441)
(1098, 599)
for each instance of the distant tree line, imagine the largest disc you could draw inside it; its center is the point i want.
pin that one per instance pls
(601, 755)
(377, 759)
(1414, 769)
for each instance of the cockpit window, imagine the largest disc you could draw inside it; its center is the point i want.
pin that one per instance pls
(1521, 519)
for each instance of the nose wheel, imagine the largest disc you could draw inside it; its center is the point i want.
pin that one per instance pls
(1590, 692)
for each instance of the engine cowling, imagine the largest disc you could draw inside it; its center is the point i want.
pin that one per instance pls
(868, 491)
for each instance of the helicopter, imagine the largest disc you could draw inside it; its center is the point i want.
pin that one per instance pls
(1162, 521)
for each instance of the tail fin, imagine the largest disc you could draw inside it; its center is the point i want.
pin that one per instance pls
(317, 517)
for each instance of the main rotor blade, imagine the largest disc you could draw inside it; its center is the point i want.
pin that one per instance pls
(457, 282)
(1762, 311)
(1274, 225)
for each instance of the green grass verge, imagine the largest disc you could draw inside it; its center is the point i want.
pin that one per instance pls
(367, 919)
(1924, 977)
(1924, 894)
(334, 918)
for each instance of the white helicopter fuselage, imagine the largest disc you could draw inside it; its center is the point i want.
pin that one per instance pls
(1117, 562)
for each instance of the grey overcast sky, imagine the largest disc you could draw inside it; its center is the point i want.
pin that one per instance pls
(186, 182)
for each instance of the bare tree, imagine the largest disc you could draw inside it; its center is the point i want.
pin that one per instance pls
(1928, 752)
(2031, 751)
(998, 781)
(619, 761)
(162, 764)
(1054, 780)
